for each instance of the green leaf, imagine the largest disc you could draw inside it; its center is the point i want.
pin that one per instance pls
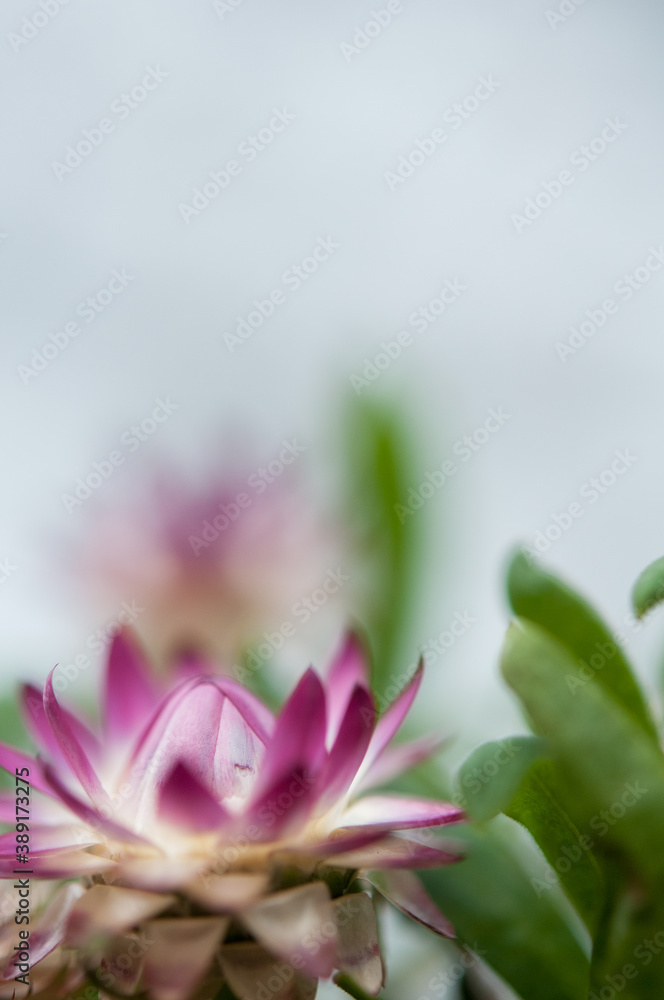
(540, 805)
(648, 590)
(379, 473)
(496, 912)
(490, 777)
(614, 775)
(629, 959)
(12, 731)
(542, 599)
(515, 777)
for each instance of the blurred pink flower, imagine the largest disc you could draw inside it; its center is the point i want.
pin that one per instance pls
(211, 841)
(212, 569)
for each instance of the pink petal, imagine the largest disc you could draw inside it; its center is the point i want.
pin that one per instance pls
(105, 910)
(130, 696)
(347, 672)
(48, 930)
(283, 807)
(199, 726)
(297, 922)
(358, 953)
(391, 812)
(396, 759)
(46, 838)
(405, 890)
(34, 716)
(92, 817)
(180, 954)
(340, 843)
(60, 722)
(228, 893)
(158, 874)
(15, 761)
(391, 719)
(397, 852)
(122, 963)
(58, 864)
(350, 746)
(184, 802)
(257, 715)
(299, 735)
(247, 967)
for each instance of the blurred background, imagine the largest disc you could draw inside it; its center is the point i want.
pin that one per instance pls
(228, 226)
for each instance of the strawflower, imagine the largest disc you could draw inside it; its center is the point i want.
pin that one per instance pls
(198, 841)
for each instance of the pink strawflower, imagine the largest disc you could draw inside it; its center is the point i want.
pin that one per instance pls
(211, 842)
(213, 567)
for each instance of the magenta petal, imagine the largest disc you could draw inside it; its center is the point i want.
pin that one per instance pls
(16, 762)
(184, 802)
(58, 864)
(48, 930)
(199, 726)
(391, 719)
(257, 715)
(283, 807)
(347, 672)
(405, 890)
(79, 764)
(350, 746)
(397, 852)
(92, 817)
(130, 695)
(391, 812)
(44, 838)
(395, 760)
(299, 735)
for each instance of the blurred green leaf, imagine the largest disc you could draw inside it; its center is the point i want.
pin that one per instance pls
(496, 911)
(379, 473)
(12, 731)
(541, 598)
(648, 590)
(490, 776)
(513, 776)
(614, 775)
